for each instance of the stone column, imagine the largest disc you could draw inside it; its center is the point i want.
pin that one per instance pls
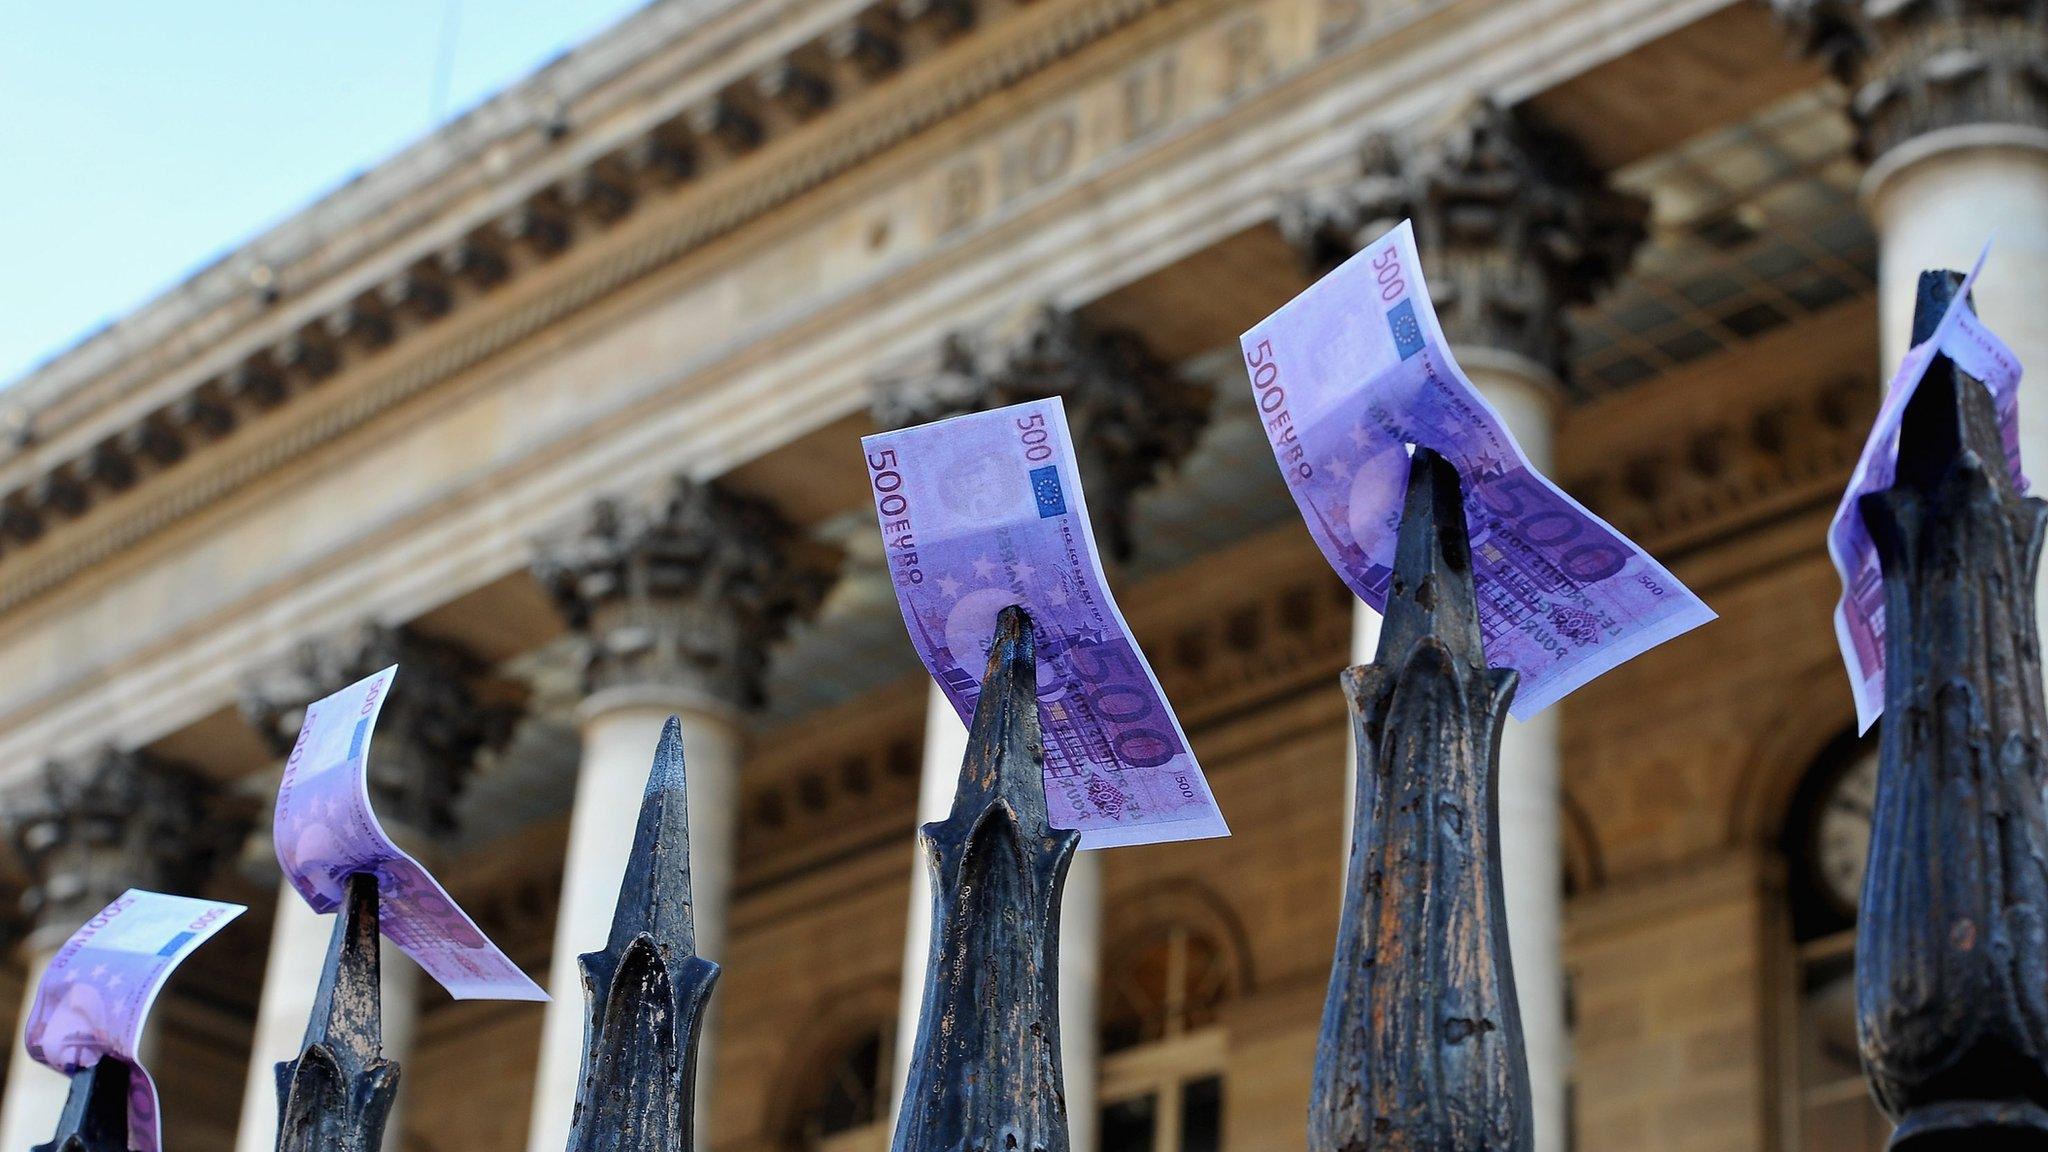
(677, 603)
(428, 737)
(1513, 226)
(945, 742)
(1133, 417)
(1951, 108)
(88, 830)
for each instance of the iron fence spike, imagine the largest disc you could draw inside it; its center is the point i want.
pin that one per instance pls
(645, 993)
(1421, 1040)
(985, 1067)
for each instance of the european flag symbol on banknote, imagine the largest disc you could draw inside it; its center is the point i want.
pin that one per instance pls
(1045, 484)
(1407, 331)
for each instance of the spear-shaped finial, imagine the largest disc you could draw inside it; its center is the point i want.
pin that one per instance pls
(645, 993)
(95, 1116)
(1432, 594)
(985, 1072)
(337, 1095)
(1949, 947)
(1421, 1043)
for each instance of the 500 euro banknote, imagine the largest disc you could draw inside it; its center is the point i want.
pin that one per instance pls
(1859, 616)
(95, 995)
(326, 832)
(983, 511)
(1351, 373)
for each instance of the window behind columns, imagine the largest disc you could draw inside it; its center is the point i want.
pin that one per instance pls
(846, 1108)
(1163, 1042)
(1827, 840)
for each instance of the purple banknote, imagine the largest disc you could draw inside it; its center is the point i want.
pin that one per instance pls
(325, 833)
(95, 994)
(1351, 373)
(984, 511)
(1859, 617)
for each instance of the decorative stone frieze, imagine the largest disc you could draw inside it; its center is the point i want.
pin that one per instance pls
(1514, 225)
(688, 592)
(429, 734)
(89, 828)
(1133, 417)
(1917, 66)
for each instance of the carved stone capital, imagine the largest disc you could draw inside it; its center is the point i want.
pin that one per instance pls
(1917, 66)
(688, 592)
(1133, 417)
(89, 828)
(1513, 223)
(428, 735)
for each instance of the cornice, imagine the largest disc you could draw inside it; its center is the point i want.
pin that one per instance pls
(746, 117)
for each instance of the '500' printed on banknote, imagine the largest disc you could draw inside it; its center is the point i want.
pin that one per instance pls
(984, 511)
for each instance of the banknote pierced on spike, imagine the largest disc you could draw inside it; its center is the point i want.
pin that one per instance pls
(96, 992)
(984, 511)
(1351, 374)
(1859, 615)
(326, 832)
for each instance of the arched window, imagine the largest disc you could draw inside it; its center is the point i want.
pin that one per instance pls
(1162, 1041)
(1828, 840)
(847, 1108)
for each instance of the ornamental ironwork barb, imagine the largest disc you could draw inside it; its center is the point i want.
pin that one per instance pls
(645, 992)
(985, 1072)
(1421, 1044)
(1952, 936)
(337, 1095)
(95, 1116)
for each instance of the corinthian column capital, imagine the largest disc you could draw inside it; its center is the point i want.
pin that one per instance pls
(1514, 225)
(428, 735)
(88, 828)
(1133, 417)
(1918, 66)
(685, 593)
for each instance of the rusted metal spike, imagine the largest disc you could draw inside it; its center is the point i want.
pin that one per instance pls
(1950, 1016)
(985, 1072)
(337, 1095)
(95, 1116)
(1421, 1043)
(1432, 593)
(646, 992)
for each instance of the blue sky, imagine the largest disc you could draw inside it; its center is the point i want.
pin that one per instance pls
(141, 139)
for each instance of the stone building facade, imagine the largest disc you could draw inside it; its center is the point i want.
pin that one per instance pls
(560, 410)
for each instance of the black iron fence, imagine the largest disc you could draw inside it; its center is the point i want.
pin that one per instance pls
(1421, 1045)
